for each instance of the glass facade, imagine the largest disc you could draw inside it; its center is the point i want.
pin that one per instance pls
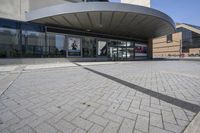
(56, 45)
(89, 47)
(33, 44)
(9, 42)
(189, 39)
(29, 40)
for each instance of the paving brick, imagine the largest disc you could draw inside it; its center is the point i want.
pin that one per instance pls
(113, 108)
(113, 117)
(45, 128)
(138, 111)
(127, 126)
(6, 116)
(39, 111)
(182, 122)
(158, 130)
(9, 123)
(111, 128)
(24, 114)
(4, 131)
(150, 109)
(98, 120)
(40, 120)
(84, 124)
(25, 129)
(168, 117)
(87, 112)
(96, 129)
(22, 123)
(173, 127)
(156, 120)
(180, 114)
(64, 126)
(101, 110)
(166, 108)
(126, 114)
(67, 107)
(137, 131)
(78, 130)
(72, 115)
(142, 123)
(57, 117)
(124, 106)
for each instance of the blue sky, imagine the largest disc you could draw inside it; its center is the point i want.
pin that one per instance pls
(183, 11)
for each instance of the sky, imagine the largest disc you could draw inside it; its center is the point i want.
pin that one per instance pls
(182, 11)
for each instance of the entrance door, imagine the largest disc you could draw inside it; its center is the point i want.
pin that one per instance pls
(122, 51)
(112, 50)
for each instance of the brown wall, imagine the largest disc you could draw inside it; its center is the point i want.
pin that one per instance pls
(194, 51)
(162, 48)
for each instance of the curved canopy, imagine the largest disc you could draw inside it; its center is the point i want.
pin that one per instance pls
(106, 18)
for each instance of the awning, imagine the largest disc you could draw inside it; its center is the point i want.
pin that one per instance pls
(107, 18)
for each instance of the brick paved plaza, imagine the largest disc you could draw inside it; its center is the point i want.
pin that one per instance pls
(123, 97)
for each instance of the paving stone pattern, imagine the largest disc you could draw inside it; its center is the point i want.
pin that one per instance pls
(75, 100)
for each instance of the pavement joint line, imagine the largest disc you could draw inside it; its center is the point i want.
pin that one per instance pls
(18, 73)
(180, 103)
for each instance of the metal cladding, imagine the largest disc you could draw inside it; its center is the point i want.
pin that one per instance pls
(106, 18)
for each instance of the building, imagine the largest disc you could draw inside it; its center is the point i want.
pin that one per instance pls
(185, 42)
(167, 46)
(79, 29)
(190, 39)
(146, 3)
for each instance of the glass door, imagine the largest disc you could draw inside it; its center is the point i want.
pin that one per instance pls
(130, 51)
(122, 51)
(112, 50)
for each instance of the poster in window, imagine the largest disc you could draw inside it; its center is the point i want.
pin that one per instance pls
(140, 49)
(102, 48)
(74, 46)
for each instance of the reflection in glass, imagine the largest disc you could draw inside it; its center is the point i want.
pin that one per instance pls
(102, 48)
(56, 45)
(130, 50)
(74, 46)
(140, 50)
(9, 43)
(112, 49)
(33, 44)
(122, 50)
(89, 47)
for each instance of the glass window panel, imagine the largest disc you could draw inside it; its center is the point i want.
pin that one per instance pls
(130, 50)
(122, 51)
(140, 50)
(112, 49)
(102, 48)
(9, 42)
(33, 44)
(56, 45)
(74, 46)
(89, 47)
